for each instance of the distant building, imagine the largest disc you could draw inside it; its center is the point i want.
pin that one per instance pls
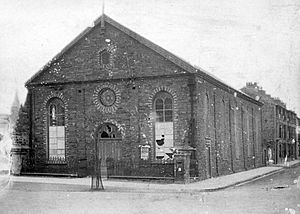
(14, 110)
(4, 124)
(7, 123)
(112, 88)
(278, 125)
(4, 135)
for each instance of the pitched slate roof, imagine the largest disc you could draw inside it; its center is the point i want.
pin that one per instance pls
(166, 54)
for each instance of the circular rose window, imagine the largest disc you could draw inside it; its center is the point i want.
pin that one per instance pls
(107, 97)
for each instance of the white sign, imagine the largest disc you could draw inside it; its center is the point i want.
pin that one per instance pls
(145, 152)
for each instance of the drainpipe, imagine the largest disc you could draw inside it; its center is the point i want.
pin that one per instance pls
(192, 88)
(32, 145)
(261, 135)
(215, 128)
(84, 124)
(30, 111)
(230, 138)
(243, 140)
(276, 127)
(253, 138)
(138, 114)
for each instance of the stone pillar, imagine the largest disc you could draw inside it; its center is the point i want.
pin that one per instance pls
(18, 159)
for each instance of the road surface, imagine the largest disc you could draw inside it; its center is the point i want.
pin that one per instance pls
(279, 193)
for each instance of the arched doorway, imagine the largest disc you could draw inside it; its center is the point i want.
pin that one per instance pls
(109, 141)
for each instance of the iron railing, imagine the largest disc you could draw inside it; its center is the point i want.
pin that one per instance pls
(56, 160)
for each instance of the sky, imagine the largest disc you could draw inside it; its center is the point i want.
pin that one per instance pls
(237, 41)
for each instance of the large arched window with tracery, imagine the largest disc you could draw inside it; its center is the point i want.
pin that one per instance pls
(56, 130)
(163, 106)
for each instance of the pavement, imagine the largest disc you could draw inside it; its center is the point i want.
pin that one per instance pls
(114, 185)
(289, 164)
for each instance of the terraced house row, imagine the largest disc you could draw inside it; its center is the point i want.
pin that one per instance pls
(279, 127)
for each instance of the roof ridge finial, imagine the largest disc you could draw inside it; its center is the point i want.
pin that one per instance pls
(102, 16)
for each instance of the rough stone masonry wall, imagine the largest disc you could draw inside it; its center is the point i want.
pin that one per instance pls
(83, 117)
(81, 64)
(213, 122)
(137, 73)
(130, 59)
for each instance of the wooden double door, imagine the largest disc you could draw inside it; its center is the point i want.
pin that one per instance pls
(109, 143)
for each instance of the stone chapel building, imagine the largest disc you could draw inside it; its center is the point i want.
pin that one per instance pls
(112, 88)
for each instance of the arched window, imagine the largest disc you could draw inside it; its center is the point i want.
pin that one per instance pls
(104, 57)
(163, 106)
(56, 130)
(164, 109)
